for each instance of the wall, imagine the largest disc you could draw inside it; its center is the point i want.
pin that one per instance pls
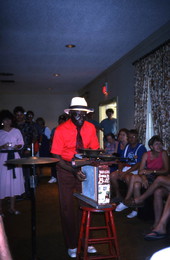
(120, 78)
(47, 106)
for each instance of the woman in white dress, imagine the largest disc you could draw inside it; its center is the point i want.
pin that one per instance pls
(11, 178)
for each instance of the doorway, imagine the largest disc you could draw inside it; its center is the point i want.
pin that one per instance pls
(112, 103)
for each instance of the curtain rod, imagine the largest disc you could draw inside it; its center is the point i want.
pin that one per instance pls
(151, 52)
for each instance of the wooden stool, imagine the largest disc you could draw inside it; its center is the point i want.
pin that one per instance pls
(110, 238)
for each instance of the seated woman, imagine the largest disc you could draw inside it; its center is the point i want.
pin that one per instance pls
(122, 141)
(154, 163)
(111, 144)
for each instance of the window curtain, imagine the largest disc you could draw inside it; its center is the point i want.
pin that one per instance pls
(153, 71)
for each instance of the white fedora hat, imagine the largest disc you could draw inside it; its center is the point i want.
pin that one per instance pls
(78, 103)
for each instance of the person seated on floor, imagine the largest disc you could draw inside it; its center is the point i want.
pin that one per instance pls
(161, 189)
(122, 141)
(154, 163)
(133, 156)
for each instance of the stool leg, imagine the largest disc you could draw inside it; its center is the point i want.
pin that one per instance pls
(114, 234)
(86, 235)
(109, 232)
(81, 235)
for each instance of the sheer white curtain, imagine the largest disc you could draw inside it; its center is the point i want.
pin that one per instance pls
(149, 119)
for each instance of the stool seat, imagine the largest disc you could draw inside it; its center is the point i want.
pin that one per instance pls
(110, 237)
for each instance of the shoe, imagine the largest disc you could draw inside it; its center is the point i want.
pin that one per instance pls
(72, 252)
(52, 180)
(133, 214)
(91, 250)
(120, 207)
(14, 212)
(154, 235)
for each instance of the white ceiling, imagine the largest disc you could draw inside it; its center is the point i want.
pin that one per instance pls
(33, 35)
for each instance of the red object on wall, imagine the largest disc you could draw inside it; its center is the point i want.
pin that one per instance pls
(105, 90)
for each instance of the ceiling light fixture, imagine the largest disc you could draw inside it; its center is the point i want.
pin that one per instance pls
(70, 46)
(56, 75)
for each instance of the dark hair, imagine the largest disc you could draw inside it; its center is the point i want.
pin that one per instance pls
(110, 134)
(155, 138)
(133, 131)
(62, 117)
(109, 110)
(125, 130)
(18, 109)
(30, 112)
(4, 114)
(40, 119)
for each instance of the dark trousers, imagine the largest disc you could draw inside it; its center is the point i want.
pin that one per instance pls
(69, 209)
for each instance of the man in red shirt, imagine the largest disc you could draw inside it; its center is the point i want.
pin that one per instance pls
(73, 134)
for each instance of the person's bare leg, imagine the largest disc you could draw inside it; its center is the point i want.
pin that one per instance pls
(161, 181)
(159, 195)
(131, 187)
(161, 227)
(114, 177)
(137, 189)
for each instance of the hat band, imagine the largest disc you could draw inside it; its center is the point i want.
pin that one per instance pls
(78, 107)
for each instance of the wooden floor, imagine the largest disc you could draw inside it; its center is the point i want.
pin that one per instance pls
(50, 244)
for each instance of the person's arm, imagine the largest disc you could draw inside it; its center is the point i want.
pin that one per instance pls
(165, 159)
(142, 169)
(4, 248)
(133, 168)
(75, 171)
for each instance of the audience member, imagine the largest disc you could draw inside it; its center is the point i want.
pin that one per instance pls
(90, 118)
(4, 248)
(44, 149)
(161, 189)
(109, 124)
(111, 144)
(61, 119)
(122, 138)
(69, 137)
(11, 178)
(29, 133)
(133, 155)
(27, 129)
(154, 163)
(30, 119)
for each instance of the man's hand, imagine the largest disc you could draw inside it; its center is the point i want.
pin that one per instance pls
(80, 175)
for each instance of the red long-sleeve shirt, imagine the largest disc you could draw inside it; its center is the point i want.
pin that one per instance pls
(64, 141)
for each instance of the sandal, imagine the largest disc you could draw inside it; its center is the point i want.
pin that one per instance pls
(154, 235)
